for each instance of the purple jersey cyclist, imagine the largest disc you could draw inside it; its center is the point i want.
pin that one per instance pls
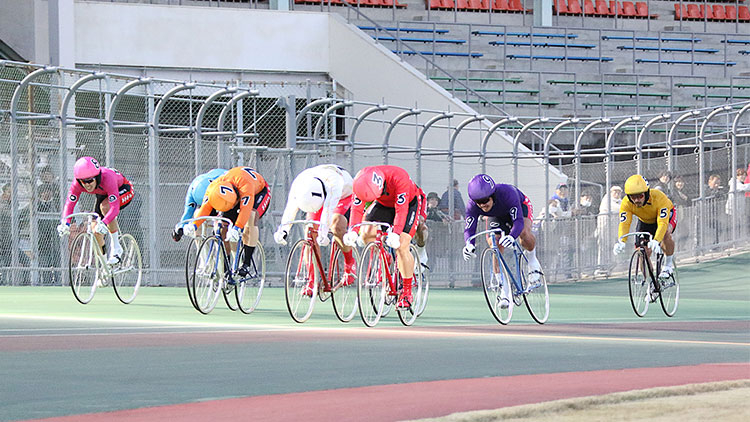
(506, 208)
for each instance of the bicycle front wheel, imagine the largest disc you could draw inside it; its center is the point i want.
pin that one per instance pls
(536, 295)
(85, 266)
(129, 272)
(250, 287)
(409, 315)
(501, 309)
(670, 293)
(301, 281)
(192, 252)
(638, 283)
(371, 285)
(208, 274)
(344, 286)
(422, 302)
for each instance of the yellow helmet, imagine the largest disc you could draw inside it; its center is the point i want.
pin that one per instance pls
(221, 196)
(636, 184)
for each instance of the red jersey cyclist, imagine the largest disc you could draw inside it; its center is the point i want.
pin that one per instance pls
(242, 195)
(397, 202)
(113, 193)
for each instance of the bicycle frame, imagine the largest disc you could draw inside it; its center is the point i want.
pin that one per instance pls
(92, 217)
(327, 284)
(517, 253)
(644, 248)
(217, 234)
(385, 255)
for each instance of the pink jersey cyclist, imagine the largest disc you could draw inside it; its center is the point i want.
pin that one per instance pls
(113, 192)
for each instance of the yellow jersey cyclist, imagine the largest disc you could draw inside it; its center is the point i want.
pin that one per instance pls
(656, 215)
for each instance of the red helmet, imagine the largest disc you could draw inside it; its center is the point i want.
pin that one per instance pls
(369, 184)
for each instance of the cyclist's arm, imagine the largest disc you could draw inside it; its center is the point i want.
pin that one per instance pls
(664, 206)
(516, 215)
(290, 212)
(358, 211)
(190, 205)
(113, 195)
(626, 218)
(329, 204)
(70, 203)
(402, 189)
(203, 211)
(472, 216)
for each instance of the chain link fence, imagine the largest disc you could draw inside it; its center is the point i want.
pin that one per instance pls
(160, 134)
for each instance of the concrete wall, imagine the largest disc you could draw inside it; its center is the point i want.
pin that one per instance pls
(23, 26)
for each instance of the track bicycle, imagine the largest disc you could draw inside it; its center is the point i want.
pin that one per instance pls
(535, 295)
(305, 267)
(215, 272)
(644, 284)
(88, 268)
(380, 282)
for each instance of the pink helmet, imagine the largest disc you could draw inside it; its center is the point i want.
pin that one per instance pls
(368, 184)
(86, 168)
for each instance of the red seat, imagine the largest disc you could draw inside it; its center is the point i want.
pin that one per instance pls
(588, 7)
(462, 4)
(679, 12)
(515, 5)
(693, 12)
(449, 5)
(707, 12)
(475, 5)
(612, 8)
(574, 7)
(731, 13)
(561, 7)
(743, 13)
(628, 9)
(719, 13)
(501, 5)
(641, 9)
(602, 9)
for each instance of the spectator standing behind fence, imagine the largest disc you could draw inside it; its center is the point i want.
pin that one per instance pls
(433, 212)
(715, 196)
(561, 195)
(740, 175)
(585, 205)
(665, 183)
(458, 202)
(48, 246)
(6, 241)
(680, 196)
(608, 209)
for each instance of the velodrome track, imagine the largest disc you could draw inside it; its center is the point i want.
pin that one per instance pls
(159, 359)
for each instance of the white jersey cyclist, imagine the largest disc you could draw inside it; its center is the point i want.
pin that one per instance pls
(321, 191)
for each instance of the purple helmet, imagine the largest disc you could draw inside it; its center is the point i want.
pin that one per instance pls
(481, 186)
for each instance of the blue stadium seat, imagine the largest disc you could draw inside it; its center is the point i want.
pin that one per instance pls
(690, 62)
(670, 39)
(544, 57)
(523, 34)
(438, 53)
(541, 44)
(425, 40)
(422, 30)
(746, 42)
(667, 49)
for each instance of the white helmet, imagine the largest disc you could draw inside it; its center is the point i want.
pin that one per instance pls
(309, 193)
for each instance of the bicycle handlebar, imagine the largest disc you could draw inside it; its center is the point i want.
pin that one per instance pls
(635, 234)
(92, 215)
(498, 230)
(303, 222)
(371, 223)
(209, 218)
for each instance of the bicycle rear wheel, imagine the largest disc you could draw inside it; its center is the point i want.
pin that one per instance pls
(344, 286)
(249, 289)
(84, 267)
(670, 293)
(493, 288)
(208, 274)
(128, 273)
(371, 285)
(190, 254)
(300, 270)
(536, 295)
(638, 283)
(422, 303)
(408, 316)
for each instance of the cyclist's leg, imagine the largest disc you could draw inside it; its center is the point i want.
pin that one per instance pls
(420, 238)
(339, 225)
(498, 275)
(668, 244)
(114, 248)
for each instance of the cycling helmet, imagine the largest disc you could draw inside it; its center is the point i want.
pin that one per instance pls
(636, 184)
(221, 196)
(87, 168)
(369, 184)
(481, 187)
(308, 193)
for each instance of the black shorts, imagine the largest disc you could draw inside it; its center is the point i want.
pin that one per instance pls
(126, 193)
(505, 223)
(260, 205)
(651, 228)
(379, 212)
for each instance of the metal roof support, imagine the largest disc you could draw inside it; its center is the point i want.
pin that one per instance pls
(352, 137)
(670, 136)
(639, 141)
(451, 149)
(324, 117)
(420, 140)
(199, 123)
(394, 122)
(486, 140)
(517, 140)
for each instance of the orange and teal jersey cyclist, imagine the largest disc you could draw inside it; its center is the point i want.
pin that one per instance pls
(656, 214)
(241, 195)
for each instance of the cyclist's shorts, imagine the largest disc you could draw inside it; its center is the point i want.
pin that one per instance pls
(126, 192)
(344, 207)
(506, 223)
(260, 205)
(380, 212)
(651, 228)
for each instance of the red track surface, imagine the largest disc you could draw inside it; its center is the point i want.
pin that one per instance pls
(428, 399)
